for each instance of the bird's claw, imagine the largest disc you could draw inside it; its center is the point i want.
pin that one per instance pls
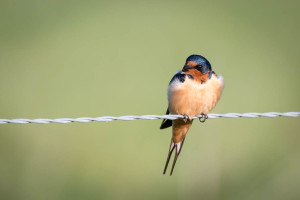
(203, 118)
(186, 118)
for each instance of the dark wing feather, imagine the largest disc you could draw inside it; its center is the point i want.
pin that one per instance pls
(166, 123)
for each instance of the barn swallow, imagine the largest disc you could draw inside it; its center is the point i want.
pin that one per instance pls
(192, 91)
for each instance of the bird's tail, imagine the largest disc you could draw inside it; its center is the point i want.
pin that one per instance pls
(178, 147)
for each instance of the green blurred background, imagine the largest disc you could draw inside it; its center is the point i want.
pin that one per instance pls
(97, 58)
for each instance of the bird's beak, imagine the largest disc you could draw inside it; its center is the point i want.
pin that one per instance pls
(186, 68)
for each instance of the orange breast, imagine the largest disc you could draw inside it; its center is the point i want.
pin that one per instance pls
(193, 98)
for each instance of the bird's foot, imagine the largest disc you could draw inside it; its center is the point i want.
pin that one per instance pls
(203, 118)
(186, 118)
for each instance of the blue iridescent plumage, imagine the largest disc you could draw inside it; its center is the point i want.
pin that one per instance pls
(200, 60)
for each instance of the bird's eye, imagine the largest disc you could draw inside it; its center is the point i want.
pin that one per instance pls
(201, 68)
(198, 67)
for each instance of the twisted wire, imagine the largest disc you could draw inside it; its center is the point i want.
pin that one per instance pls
(145, 117)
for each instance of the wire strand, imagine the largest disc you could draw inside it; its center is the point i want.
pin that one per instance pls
(144, 117)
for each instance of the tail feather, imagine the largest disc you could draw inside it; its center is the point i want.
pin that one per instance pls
(178, 147)
(172, 146)
(181, 145)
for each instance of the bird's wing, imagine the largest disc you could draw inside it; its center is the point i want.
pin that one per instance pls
(166, 123)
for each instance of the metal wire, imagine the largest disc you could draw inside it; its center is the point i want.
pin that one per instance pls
(145, 117)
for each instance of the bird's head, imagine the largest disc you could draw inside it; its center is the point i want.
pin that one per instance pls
(197, 62)
(198, 67)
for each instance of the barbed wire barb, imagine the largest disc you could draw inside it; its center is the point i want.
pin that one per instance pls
(144, 117)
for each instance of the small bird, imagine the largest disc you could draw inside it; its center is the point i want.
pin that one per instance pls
(192, 91)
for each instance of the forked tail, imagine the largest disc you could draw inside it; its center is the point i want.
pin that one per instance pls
(178, 147)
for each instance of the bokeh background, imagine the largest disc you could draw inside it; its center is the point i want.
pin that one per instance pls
(97, 58)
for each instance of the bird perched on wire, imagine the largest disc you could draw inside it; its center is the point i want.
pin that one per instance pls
(192, 91)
